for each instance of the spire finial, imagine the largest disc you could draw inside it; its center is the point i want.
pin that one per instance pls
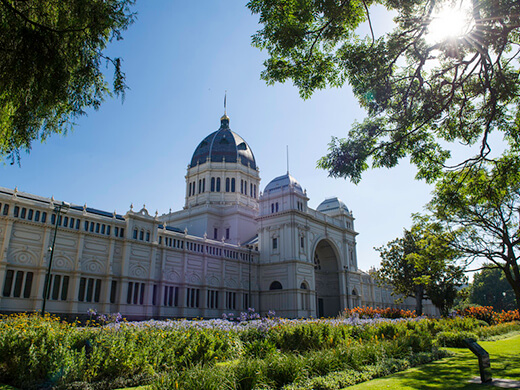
(225, 119)
(287, 147)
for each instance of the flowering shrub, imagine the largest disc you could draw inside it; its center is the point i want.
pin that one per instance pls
(486, 313)
(38, 352)
(370, 312)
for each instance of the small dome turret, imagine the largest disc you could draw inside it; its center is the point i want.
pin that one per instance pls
(332, 204)
(282, 182)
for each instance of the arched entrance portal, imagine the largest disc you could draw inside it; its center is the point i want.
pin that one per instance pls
(327, 280)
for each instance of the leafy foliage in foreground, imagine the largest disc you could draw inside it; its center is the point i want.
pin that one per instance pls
(51, 65)
(267, 353)
(421, 96)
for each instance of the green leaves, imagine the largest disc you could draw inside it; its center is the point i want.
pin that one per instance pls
(423, 260)
(424, 97)
(50, 71)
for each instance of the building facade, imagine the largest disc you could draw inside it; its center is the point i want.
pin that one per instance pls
(231, 247)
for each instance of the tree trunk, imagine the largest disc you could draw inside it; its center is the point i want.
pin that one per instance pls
(419, 295)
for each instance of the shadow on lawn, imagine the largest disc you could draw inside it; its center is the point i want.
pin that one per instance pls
(463, 368)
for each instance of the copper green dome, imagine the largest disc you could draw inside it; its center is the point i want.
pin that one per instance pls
(224, 145)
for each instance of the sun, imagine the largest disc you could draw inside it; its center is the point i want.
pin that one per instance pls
(450, 21)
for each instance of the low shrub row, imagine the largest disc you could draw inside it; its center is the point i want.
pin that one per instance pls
(38, 352)
(370, 312)
(487, 314)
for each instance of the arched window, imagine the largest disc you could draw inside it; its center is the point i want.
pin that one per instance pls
(276, 285)
(227, 184)
(233, 185)
(204, 185)
(135, 234)
(218, 184)
(354, 292)
(303, 286)
(212, 184)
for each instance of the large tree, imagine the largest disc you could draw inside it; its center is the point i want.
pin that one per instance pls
(421, 94)
(422, 264)
(483, 204)
(51, 65)
(490, 288)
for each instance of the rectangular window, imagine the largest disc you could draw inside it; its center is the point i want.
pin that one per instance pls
(148, 236)
(8, 283)
(18, 284)
(227, 234)
(53, 219)
(203, 185)
(90, 289)
(116, 231)
(56, 287)
(136, 293)
(97, 291)
(135, 234)
(141, 298)
(129, 294)
(28, 285)
(302, 242)
(65, 221)
(122, 232)
(91, 227)
(275, 243)
(16, 211)
(108, 230)
(218, 184)
(113, 291)
(77, 224)
(97, 227)
(30, 215)
(103, 227)
(86, 226)
(6, 209)
(65, 288)
(141, 235)
(154, 295)
(37, 216)
(81, 293)
(44, 217)
(23, 213)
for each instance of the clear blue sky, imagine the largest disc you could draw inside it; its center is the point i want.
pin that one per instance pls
(179, 58)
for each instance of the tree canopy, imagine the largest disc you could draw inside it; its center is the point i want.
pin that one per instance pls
(490, 288)
(422, 264)
(51, 57)
(421, 96)
(482, 203)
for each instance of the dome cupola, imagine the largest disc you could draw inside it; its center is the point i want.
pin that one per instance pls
(224, 145)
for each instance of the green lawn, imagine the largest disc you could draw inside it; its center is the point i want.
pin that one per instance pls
(454, 372)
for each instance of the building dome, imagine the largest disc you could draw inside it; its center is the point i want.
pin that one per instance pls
(224, 145)
(332, 204)
(282, 182)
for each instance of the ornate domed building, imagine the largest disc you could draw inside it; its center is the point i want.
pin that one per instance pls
(230, 248)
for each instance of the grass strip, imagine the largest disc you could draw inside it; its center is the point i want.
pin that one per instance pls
(455, 372)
